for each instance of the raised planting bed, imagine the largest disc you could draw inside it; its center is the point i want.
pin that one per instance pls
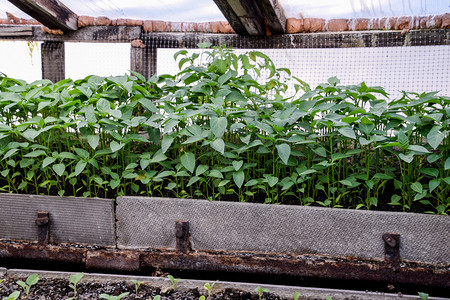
(228, 237)
(55, 285)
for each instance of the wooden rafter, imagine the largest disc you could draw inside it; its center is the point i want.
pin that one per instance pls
(254, 17)
(50, 13)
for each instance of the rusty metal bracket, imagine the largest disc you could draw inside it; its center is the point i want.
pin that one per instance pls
(183, 236)
(392, 249)
(43, 223)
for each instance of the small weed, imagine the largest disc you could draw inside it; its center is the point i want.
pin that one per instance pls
(74, 279)
(328, 298)
(209, 286)
(173, 281)
(202, 297)
(296, 296)
(137, 284)
(261, 291)
(157, 297)
(31, 280)
(13, 296)
(423, 296)
(109, 297)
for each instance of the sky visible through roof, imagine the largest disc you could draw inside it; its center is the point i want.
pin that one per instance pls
(206, 10)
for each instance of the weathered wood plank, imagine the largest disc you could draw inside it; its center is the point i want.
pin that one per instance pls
(303, 40)
(101, 34)
(72, 220)
(248, 13)
(273, 15)
(231, 17)
(51, 13)
(17, 31)
(53, 61)
(124, 34)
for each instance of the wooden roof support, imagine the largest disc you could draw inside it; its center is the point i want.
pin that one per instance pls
(253, 17)
(50, 13)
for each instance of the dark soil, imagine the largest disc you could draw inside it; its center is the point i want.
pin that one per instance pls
(59, 289)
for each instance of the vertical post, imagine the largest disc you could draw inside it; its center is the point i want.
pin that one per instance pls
(143, 58)
(53, 61)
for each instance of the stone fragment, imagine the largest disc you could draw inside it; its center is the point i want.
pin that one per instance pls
(147, 26)
(445, 21)
(189, 27)
(101, 21)
(294, 25)
(215, 27)
(361, 24)
(159, 26)
(434, 22)
(402, 23)
(227, 27)
(84, 21)
(137, 44)
(423, 21)
(204, 27)
(52, 31)
(126, 22)
(337, 25)
(313, 24)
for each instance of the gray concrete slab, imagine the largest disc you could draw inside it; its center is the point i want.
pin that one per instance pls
(2, 273)
(150, 223)
(72, 220)
(186, 284)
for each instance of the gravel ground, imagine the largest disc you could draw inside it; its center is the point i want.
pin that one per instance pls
(59, 289)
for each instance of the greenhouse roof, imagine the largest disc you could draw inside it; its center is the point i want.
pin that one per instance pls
(245, 16)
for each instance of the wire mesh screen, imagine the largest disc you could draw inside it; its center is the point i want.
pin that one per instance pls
(412, 69)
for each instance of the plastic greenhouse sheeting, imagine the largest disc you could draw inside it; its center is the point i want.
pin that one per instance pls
(207, 10)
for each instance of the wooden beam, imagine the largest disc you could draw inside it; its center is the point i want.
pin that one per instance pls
(16, 31)
(273, 15)
(251, 17)
(53, 61)
(231, 17)
(50, 13)
(248, 14)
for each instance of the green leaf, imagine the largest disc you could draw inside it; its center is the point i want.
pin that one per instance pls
(93, 140)
(188, 161)
(408, 157)
(382, 176)
(430, 171)
(59, 169)
(218, 126)
(201, 169)
(81, 152)
(272, 180)
(218, 145)
(193, 180)
(103, 106)
(417, 187)
(115, 146)
(435, 137)
(418, 148)
(75, 278)
(148, 104)
(403, 140)
(79, 167)
(204, 45)
(433, 184)
(166, 142)
(284, 151)
(31, 134)
(47, 161)
(347, 132)
(10, 153)
(158, 157)
(238, 178)
(237, 164)
(216, 174)
(35, 153)
(26, 162)
(447, 164)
